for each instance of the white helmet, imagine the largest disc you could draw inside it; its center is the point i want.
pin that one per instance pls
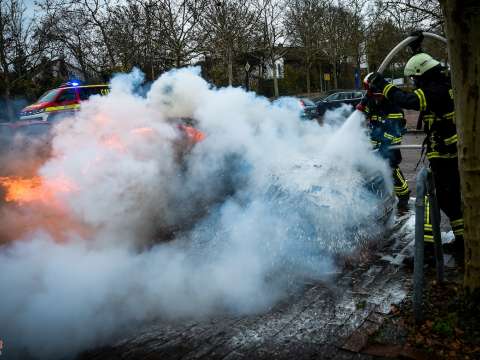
(366, 85)
(366, 79)
(419, 64)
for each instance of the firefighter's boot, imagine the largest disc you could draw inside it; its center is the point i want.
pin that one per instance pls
(402, 205)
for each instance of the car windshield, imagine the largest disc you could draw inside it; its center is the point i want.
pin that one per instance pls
(307, 102)
(48, 96)
(336, 96)
(86, 92)
(318, 98)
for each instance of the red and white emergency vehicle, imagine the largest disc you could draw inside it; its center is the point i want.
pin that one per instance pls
(60, 101)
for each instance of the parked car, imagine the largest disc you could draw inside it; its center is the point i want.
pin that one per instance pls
(338, 98)
(303, 106)
(60, 101)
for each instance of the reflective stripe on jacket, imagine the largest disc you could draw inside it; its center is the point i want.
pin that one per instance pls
(435, 103)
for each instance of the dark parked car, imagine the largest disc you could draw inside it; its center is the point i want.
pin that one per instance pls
(337, 99)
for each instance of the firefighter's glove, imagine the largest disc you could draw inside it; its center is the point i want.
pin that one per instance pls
(416, 45)
(377, 83)
(363, 104)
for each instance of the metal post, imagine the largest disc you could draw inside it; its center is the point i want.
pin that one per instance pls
(406, 147)
(247, 77)
(419, 244)
(437, 236)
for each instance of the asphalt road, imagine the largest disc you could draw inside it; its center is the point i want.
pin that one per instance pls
(410, 158)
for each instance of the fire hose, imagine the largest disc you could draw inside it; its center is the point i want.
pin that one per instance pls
(401, 45)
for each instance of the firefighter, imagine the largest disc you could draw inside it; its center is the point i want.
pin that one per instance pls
(433, 97)
(387, 125)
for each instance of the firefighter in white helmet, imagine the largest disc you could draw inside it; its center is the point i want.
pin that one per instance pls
(433, 97)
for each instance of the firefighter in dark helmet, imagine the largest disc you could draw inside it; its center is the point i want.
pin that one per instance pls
(387, 124)
(433, 97)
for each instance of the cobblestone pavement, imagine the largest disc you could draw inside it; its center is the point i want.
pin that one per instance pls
(326, 321)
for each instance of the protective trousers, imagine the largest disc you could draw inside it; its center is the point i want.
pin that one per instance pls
(447, 185)
(400, 184)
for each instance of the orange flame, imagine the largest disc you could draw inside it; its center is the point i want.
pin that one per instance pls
(114, 142)
(194, 135)
(142, 131)
(37, 206)
(35, 189)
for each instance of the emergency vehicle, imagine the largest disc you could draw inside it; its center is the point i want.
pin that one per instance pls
(61, 101)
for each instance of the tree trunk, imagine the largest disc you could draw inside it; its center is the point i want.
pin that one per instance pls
(8, 103)
(230, 68)
(321, 79)
(462, 26)
(308, 79)
(275, 80)
(335, 80)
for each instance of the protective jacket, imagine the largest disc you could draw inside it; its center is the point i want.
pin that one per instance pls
(387, 125)
(435, 103)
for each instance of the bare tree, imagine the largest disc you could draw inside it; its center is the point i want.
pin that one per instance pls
(72, 36)
(382, 37)
(21, 48)
(182, 29)
(273, 35)
(230, 26)
(361, 15)
(414, 14)
(138, 34)
(127, 32)
(335, 31)
(81, 31)
(303, 31)
(98, 15)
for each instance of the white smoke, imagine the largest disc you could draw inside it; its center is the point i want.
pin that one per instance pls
(262, 201)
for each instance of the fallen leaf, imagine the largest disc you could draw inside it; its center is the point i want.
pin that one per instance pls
(419, 339)
(394, 309)
(455, 345)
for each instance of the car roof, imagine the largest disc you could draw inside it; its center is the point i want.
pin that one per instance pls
(82, 86)
(343, 90)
